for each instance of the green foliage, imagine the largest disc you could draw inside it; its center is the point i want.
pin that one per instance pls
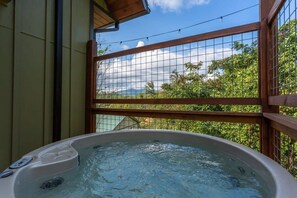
(102, 51)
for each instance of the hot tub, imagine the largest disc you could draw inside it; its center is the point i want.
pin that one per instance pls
(104, 165)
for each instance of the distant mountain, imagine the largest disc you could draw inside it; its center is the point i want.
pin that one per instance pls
(131, 92)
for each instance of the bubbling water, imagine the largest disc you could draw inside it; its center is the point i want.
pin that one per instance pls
(155, 169)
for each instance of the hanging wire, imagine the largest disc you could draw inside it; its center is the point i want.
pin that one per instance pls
(183, 28)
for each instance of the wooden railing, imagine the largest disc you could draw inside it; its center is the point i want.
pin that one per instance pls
(214, 101)
(280, 125)
(236, 117)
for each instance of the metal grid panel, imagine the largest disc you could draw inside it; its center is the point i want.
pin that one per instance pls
(246, 134)
(284, 51)
(221, 67)
(285, 151)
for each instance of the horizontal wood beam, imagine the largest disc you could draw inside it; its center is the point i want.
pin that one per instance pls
(248, 118)
(199, 101)
(283, 100)
(190, 39)
(283, 123)
(275, 10)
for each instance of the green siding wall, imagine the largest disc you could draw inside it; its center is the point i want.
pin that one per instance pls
(26, 77)
(6, 84)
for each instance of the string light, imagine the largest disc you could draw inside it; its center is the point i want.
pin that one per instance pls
(180, 29)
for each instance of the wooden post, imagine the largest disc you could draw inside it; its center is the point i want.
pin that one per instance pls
(90, 118)
(265, 40)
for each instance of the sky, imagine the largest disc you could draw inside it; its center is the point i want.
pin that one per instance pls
(167, 15)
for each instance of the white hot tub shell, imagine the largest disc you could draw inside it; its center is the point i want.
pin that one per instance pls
(62, 156)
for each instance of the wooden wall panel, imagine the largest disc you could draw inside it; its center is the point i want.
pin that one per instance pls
(6, 16)
(27, 62)
(15, 144)
(6, 83)
(32, 17)
(6, 78)
(65, 133)
(48, 93)
(29, 76)
(30, 80)
(67, 23)
(78, 74)
(49, 72)
(80, 23)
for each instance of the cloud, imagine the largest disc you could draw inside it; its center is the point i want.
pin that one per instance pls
(134, 71)
(125, 47)
(176, 5)
(140, 44)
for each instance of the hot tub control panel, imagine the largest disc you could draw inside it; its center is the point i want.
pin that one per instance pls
(21, 162)
(6, 173)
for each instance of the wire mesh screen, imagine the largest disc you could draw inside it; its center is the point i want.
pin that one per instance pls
(221, 67)
(284, 51)
(285, 151)
(246, 134)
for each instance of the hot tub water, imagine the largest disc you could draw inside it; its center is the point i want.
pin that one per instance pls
(155, 169)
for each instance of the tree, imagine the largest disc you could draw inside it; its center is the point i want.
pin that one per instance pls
(227, 77)
(150, 88)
